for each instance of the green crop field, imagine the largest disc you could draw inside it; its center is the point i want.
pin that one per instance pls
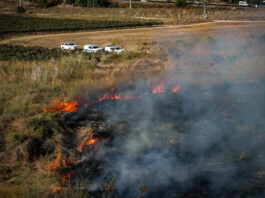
(19, 24)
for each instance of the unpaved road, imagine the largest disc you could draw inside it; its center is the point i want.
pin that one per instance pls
(130, 37)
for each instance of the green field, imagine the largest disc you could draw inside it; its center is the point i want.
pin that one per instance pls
(19, 24)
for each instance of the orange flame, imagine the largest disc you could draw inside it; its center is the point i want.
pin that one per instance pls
(66, 177)
(63, 106)
(58, 189)
(70, 161)
(74, 105)
(55, 165)
(175, 89)
(60, 162)
(159, 88)
(90, 142)
(110, 96)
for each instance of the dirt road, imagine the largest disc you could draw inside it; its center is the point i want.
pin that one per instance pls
(130, 37)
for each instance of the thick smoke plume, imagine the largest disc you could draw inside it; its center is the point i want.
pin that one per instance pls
(207, 140)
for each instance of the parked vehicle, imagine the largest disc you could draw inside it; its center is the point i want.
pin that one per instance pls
(69, 46)
(114, 49)
(194, 2)
(92, 49)
(242, 3)
(260, 5)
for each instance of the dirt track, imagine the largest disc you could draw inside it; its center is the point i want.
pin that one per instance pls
(129, 37)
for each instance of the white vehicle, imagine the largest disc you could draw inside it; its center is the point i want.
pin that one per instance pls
(242, 3)
(69, 46)
(114, 49)
(92, 49)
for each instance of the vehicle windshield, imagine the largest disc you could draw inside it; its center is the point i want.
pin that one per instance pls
(71, 44)
(117, 48)
(95, 47)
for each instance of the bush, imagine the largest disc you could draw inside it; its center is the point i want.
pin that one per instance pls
(92, 3)
(45, 127)
(18, 52)
(16, 139)
(181, 3)
(20, 9)
(46, 3)
(42, 127)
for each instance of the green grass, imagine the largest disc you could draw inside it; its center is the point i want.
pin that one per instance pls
(19, 24)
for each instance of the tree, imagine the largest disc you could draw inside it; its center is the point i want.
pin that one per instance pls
(181, 3)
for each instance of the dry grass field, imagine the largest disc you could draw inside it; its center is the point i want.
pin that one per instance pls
(213, 61)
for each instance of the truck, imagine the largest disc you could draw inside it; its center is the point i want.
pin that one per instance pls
(114, 49)
(69, 46)
(243, 3)
(92, 49)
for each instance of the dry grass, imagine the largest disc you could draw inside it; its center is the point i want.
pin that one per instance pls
(170, 15)
(167, 15)
(28, 87)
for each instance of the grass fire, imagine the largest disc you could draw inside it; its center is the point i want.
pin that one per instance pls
(112, 95)
(144, 102)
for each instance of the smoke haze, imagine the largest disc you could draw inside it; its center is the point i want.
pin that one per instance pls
(207, 140)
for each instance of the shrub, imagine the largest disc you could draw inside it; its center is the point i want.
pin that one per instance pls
(181, 3)
(42, 127)
(16, 139)
(18, 52)
(46, 126)
(92, 3)
(46, 3)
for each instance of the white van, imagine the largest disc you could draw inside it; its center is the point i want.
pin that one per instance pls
(92, 49)
(242, 3)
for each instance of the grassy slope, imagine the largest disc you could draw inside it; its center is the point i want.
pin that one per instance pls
(28, 87)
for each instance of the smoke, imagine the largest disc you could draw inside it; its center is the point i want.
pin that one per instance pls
(205, 141)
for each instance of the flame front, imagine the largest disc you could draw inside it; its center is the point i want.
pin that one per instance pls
(63, 106)
(66, 177)
(92, 142)
(61, 162)
(176, 89)
(159, 88)
(55, 165)
(112, 95)
(58, 189)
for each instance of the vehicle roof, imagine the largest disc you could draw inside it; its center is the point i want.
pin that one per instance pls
(113, 46)
(90, 45)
